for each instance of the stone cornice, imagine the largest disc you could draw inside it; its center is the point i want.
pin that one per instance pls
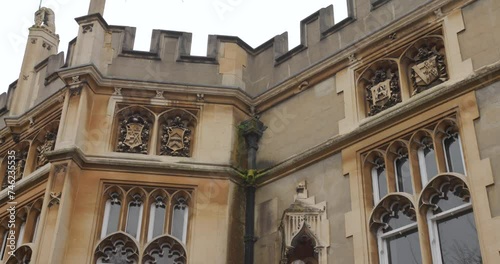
(174, 91)
(26, 182)
(138, 163)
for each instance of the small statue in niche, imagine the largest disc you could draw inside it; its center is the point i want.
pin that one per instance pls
(383, 91)
(176, 137)
(429, 66)
(133, 135)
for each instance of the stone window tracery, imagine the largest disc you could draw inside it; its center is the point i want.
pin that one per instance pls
(26, 228)
(435, 165)
(394, 222)
(165, 212)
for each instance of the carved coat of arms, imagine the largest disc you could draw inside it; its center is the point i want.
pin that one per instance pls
(176, 138)
(428, 67)
(48, 145)
(383, 91)
(20, 161)
(134, 135)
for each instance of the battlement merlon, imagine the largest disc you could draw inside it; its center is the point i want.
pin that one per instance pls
(229, 60)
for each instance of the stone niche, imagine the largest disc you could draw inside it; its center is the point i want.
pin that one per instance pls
(305, 230)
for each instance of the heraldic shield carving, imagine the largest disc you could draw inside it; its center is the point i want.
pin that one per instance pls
(176, 137)
(428, 66)
(47, 145)
(383, 91)
(20, 163)
(134, 134)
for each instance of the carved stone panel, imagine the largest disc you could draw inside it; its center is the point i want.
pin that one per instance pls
(176, 134)
(382, 90)
(428, 67)
(134, 131)
(47, 145)
(20, 158)
(426, 63)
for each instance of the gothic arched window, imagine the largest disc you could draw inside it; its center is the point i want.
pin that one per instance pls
(427, 160)
(393, 221)
(447, 200)
(180, 218)
(111, 217)
(134, 216)
(453, 151)
(157, 217)
(379, 179)
(402, 169)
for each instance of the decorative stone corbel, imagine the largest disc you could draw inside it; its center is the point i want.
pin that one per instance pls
(87, 28)
(352, 58)
(55, 198)
(159, 94)
(75, 86)
(118, 91)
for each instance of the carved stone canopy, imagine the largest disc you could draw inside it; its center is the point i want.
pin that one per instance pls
(305, 225)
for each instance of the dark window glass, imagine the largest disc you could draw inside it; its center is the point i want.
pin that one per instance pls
(403, 175)
(382, 182)
(179, 219)
(159, 219)
(449, 202)
(133, 217)
(458, 239)
(114, 213)
(404, 248)
(454, 154)
(430, 162)
(4, 244)
(399, 220)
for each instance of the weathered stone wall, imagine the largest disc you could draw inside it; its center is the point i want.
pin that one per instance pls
(481, 38)
(488, 136)
(324, 181)
(300, 123)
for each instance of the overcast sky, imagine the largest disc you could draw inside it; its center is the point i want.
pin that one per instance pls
(254, 21)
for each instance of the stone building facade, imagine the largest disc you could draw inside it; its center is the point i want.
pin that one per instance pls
(376, 140)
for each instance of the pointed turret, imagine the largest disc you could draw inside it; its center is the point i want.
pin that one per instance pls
(42, 42)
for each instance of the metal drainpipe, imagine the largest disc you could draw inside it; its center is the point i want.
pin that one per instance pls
(252, 131)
